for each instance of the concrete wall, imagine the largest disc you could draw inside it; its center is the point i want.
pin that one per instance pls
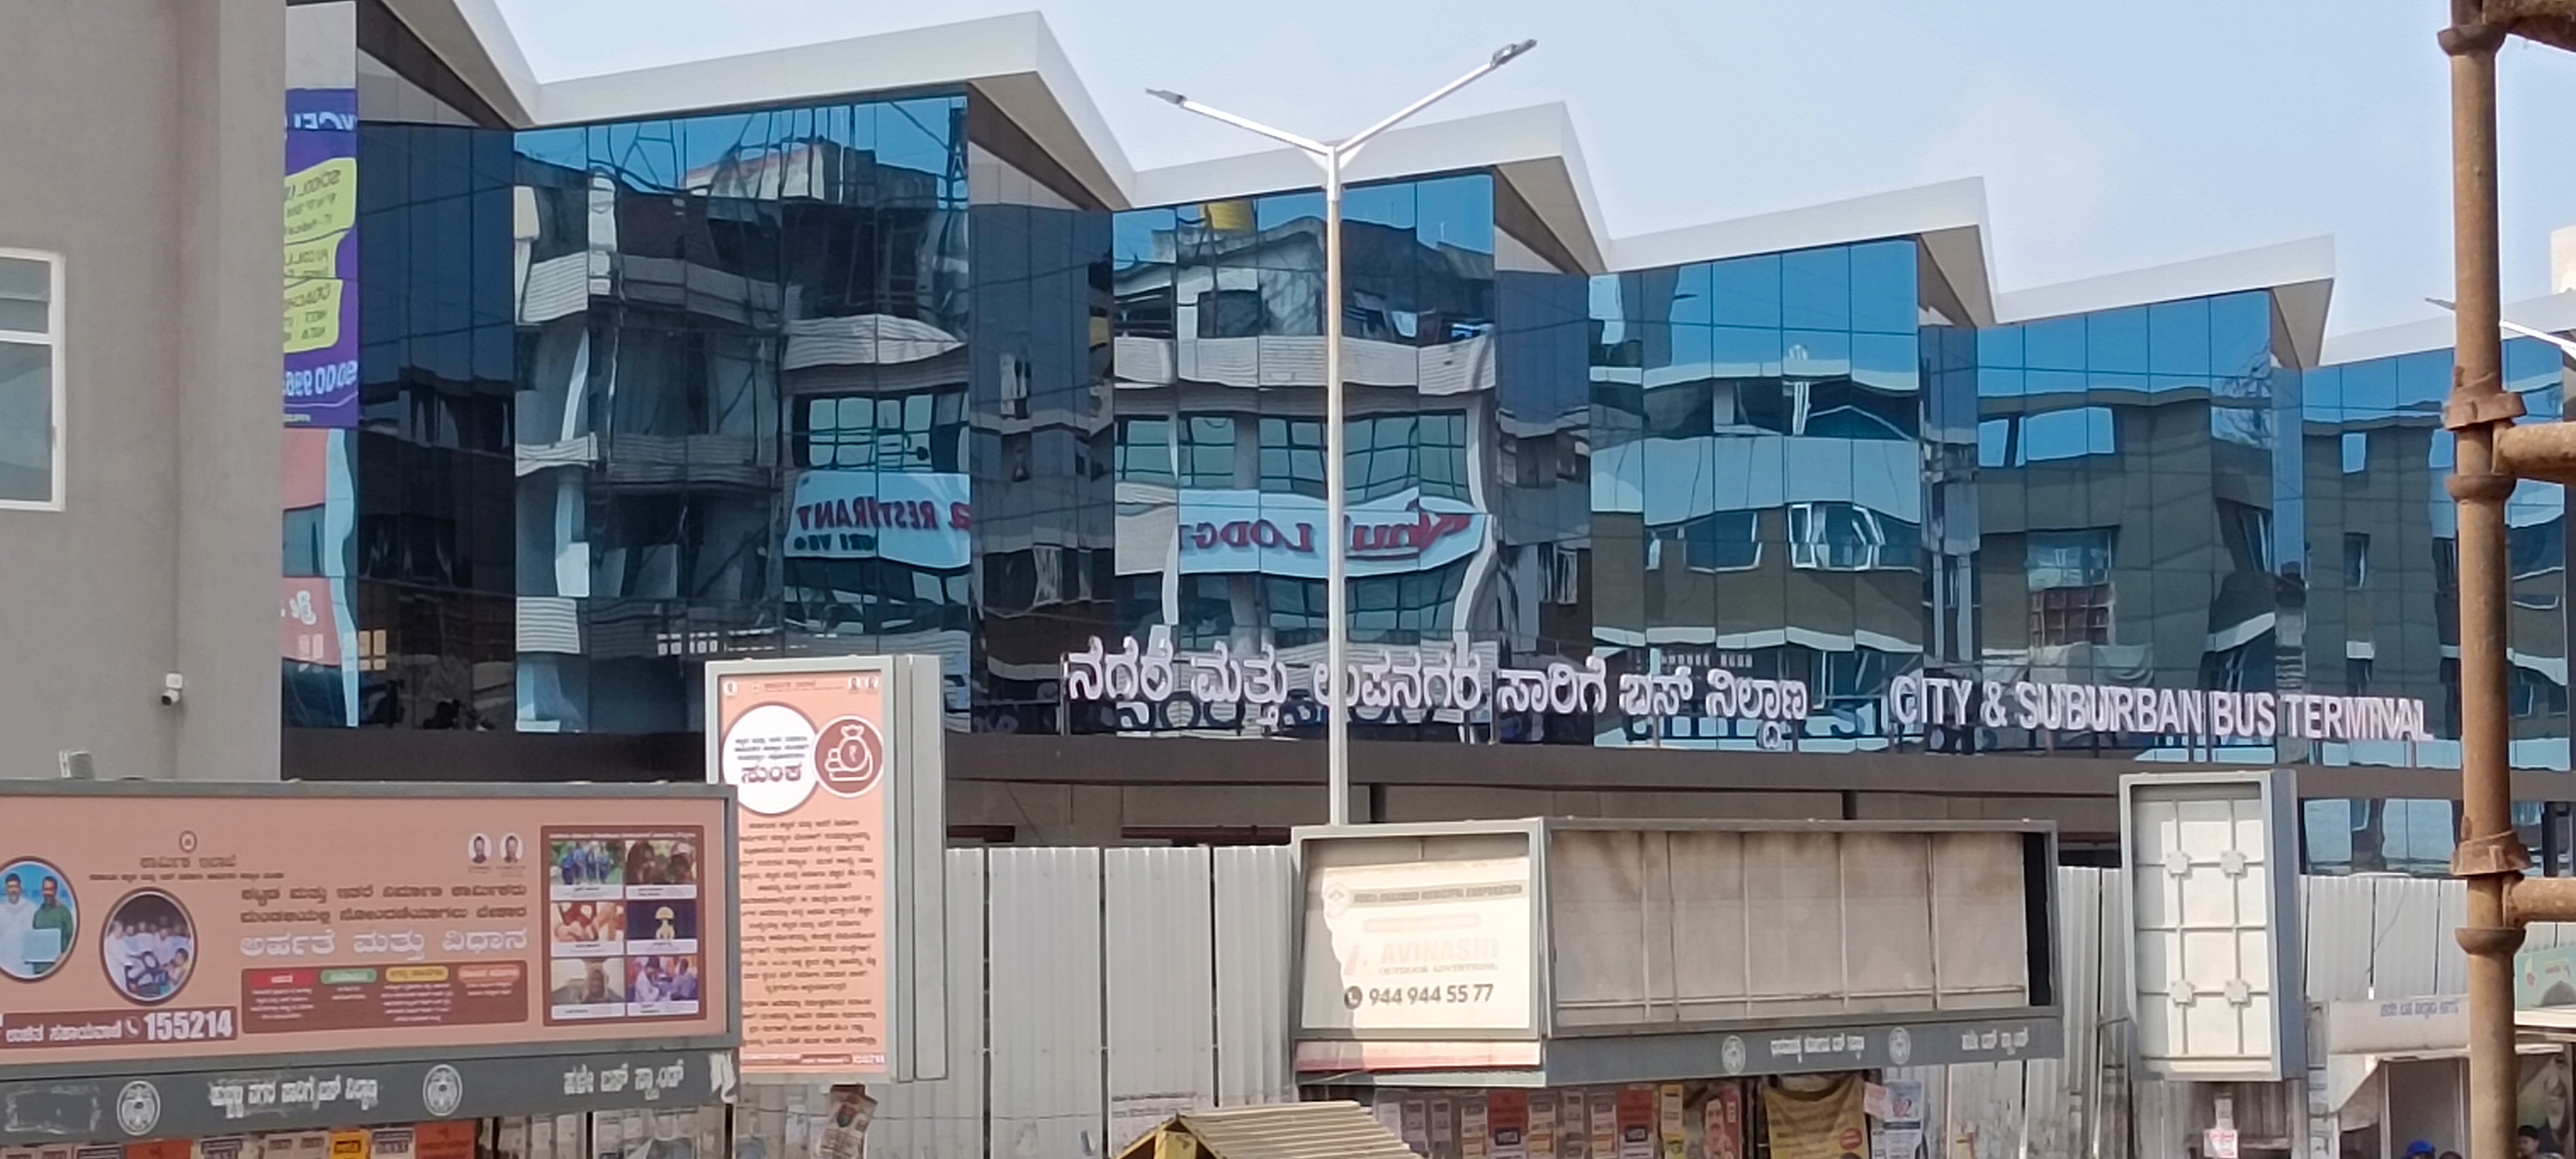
(142, 140)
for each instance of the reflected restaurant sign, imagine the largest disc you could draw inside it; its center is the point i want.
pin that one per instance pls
(1915, 700)
(920, 519)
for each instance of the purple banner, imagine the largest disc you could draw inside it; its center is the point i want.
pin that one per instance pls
(322, 257)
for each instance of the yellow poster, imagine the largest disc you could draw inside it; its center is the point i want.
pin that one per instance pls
(312, 315)
(1821, 1122)
(322, 200)
(317, 258)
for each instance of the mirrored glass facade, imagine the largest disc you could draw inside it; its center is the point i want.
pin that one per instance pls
(872, 375)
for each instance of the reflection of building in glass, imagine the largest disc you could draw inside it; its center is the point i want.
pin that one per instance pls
(933, 369)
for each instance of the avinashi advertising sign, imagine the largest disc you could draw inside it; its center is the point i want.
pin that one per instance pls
(322, 257)
(143, 924)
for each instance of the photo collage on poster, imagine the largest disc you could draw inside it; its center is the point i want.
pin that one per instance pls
(622, 924)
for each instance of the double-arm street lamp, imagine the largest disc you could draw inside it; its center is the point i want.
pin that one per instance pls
(1334, 157)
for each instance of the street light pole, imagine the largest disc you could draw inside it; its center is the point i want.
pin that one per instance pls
(1337, 599)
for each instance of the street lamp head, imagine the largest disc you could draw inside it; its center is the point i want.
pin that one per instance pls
(1504, 55)
(1166, 95)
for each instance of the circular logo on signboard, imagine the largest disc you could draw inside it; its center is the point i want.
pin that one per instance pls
(1900, 1046)
(138, 1108)
(149, 950)
(1731, 1055)
(442, 1091)
(849, 755)
(1351, 997)
(768, 757)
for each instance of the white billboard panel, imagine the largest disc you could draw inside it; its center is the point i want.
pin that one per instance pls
(2213, 928)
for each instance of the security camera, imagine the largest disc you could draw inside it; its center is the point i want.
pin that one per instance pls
(171, 686)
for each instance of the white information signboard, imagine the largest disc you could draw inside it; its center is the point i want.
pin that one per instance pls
(1420, 946)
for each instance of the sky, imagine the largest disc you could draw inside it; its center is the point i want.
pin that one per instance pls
(2110, 136)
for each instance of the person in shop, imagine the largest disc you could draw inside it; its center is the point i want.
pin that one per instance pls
(2533, 1143)
(2420, 1149)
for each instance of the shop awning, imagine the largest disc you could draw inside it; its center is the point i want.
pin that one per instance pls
(1271, 1131)
(2361, 1035)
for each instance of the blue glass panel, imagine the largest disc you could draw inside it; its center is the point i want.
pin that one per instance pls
(1135, 235)
(2066, 434)
(2322, 391)
(1458, 212)
(1993, 383)
(1816, 353)
(1744, 352)
(1816, 289)
(2423, 380)
(914, 134)
(1388, 205)
(1690, 294)
(1885, 293)
(2117, 340)
(1999, 346)
(1993, 437)
(2530, 364)
(1281, 208)
(2178, 337)
(1745, 291)
(1691, 346)
(1605, 302)
(2240, 333)
(2063, 384)
(2356, 452)
(563, 148)
(1885, 361)
(2370, 389)
(2056, 344)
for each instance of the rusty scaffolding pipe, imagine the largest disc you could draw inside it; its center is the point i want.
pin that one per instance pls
(2491, 856)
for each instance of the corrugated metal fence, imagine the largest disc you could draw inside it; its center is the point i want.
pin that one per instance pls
(1094, 992)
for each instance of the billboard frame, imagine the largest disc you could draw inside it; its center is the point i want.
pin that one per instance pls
(2276, 792)
(916, 858)
(1616, 1054)
(183, 1063)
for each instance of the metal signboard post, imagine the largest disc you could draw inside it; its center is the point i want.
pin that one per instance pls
(837, 763)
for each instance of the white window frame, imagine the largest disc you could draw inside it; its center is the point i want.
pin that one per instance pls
(53, 340)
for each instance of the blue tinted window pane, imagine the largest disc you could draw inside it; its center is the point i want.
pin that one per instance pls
(2000, 346)
(1690, 346)
(2056, 344)
(1992, 437)
(2066, 434)
(2178, 337)
(2356, 452)
(1885, 294)
(1816, 289)
(1458, 212)
(2530, 364)
(1388, 205)
(1816, 354)
(1747, 353)
(2321, 393)
(2066, 385)
(1998, 383)
(564, 148)
(2240, 333)
(914, 134)
(2370, 389)
(1885, 361)
(2104, 386)
(1605, 303)
(1280, 209)
(2423, 380)
(1745, 291)
(2117, 340)
(1690, 294)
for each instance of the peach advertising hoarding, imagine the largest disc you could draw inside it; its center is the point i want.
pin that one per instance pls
(822, 756)
(151, 923)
